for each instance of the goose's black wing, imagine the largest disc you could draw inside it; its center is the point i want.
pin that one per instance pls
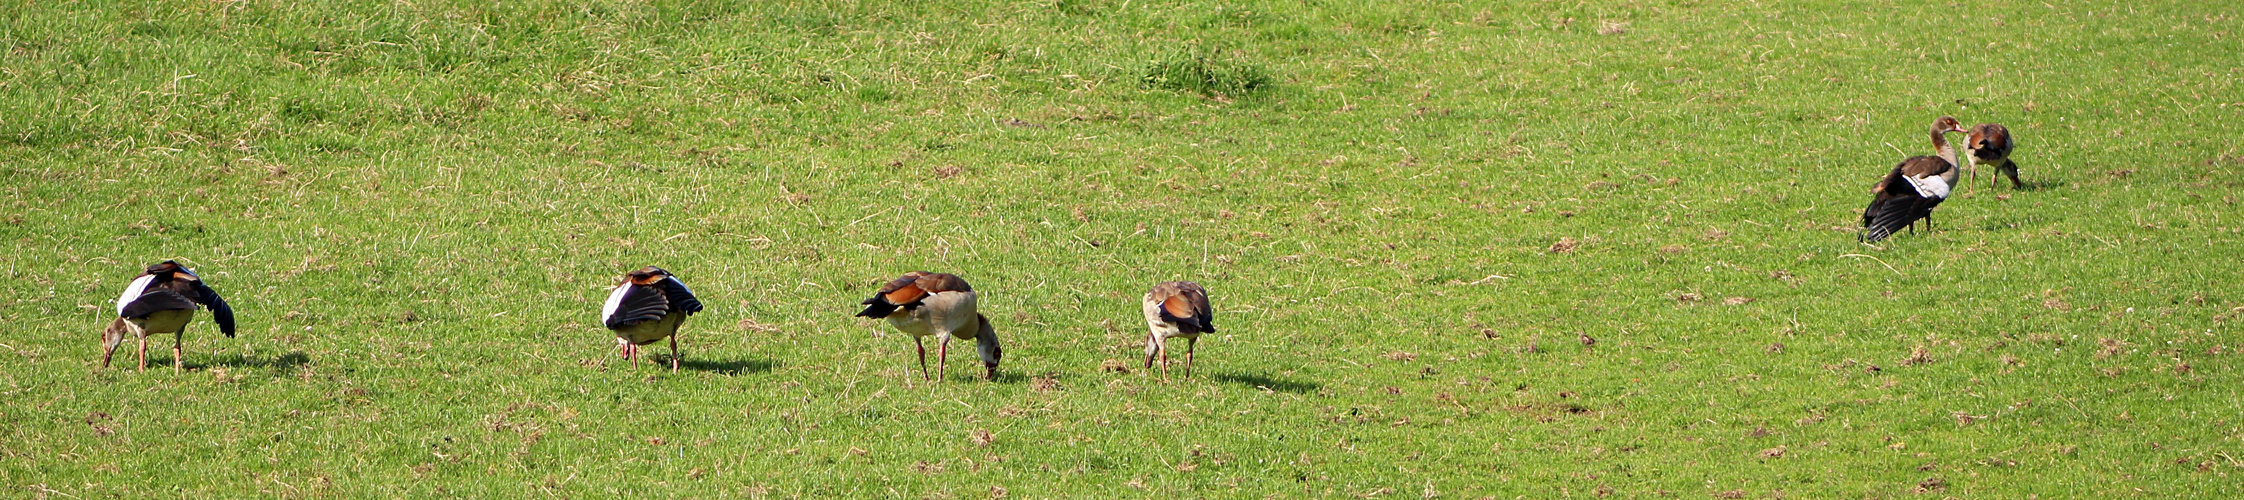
(1898, 207)
(156, 300)
(1899, 202)
(219, 311)
(640, 304)
(681, 298)
(1898, 212)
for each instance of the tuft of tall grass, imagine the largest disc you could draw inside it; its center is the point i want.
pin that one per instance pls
(1205, 73)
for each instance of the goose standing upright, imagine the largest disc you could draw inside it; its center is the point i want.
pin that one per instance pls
(646, 307)
(1911, 190)
(1990, 145)
(1175, 309)
(922, 303)
(163, 300)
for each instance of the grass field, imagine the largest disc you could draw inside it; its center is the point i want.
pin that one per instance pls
(1408, 216)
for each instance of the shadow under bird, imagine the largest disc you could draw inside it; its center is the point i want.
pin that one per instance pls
(1913, 188)
(646, 307)
(1989, 144)
(922, 303)
(1176, 309)
(163, 300)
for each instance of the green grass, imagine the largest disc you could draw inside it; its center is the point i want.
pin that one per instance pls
(416, 207)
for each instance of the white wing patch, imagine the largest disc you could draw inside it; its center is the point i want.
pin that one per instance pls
(133, 292)
(615, 299)
(1930, 187)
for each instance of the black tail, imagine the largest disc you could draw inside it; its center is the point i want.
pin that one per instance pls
(876, 308)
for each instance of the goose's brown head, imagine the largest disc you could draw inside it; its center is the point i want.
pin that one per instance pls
(1947, 124)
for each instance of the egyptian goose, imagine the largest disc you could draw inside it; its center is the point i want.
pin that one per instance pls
(1175, 309)
(922, 304)
(163, 300)
(646, 307)
(1990, 145)
(1911, 190)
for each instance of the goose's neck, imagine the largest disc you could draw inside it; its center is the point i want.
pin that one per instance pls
(1940, 144)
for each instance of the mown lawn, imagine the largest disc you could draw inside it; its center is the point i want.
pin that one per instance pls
(1410, 217)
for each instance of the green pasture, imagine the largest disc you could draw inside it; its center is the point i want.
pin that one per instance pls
(1456, 250)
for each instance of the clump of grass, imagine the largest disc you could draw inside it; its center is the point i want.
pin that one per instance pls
(1207, 74)
(153, 29)
(306, 111)
(875, 94)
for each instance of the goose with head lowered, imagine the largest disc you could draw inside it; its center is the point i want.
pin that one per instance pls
(163, 299)
(1913, 188)
(923, 303)
(646, 307)
(1175, 309)
(1989, 144)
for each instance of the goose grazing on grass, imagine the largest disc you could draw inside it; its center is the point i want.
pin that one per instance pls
(1911, 190)
(1990, 145)
(922, 304)
(647, 307)
(163, 300)
(1175, 309)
